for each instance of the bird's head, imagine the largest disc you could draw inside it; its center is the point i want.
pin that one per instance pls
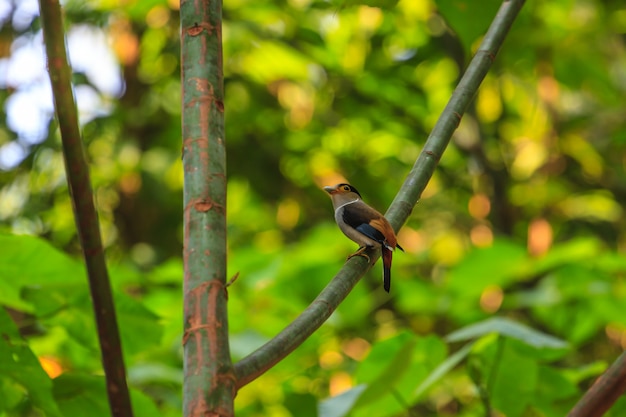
(341, 193)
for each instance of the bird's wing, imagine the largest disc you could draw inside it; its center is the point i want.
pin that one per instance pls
(369, 222)
(371, 232)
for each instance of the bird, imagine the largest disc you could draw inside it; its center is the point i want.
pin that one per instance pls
(363, 225)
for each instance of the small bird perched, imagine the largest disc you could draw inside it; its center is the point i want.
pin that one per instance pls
(364, 225)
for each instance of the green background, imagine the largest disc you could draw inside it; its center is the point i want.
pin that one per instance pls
(511, 291)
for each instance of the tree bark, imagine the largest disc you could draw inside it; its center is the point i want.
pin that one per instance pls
(209, 381)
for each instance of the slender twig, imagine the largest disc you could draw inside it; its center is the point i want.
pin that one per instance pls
(209, 382)
(322, 307)
(604, 392)
(77, 172)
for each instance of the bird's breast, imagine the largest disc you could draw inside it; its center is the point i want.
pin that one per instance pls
(351, 232)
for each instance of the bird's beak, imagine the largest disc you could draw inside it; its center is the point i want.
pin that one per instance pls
(330, 190)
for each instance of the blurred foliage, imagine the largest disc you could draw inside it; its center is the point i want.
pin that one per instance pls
(512, 289)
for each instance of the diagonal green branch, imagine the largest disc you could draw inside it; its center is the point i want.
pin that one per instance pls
(85, 215)
(262, 359)
(450, 118)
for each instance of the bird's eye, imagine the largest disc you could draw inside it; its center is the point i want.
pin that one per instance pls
(346, 188)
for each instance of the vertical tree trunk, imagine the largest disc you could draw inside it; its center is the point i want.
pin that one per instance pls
(209, 384)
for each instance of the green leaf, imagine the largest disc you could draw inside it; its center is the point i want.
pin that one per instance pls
(70, 307)
(301, 405)
(340, 405)
(244, 343)
(441, 370)
(169, 272)
(514, 383)
(586, 371)
(48, 300)
(85, 395)
(11, 394)
(139, 327)
(153, 372)
(560, 318)
(468, 19)
(572, 251)
(418, 296)
(611, 262)
(28, 260)
(554, 385)
(393, 356)
(500, 264)
(143, 405)
(381, 370)
(428, 352)
(77, 393)
(20, 370)
(506, 327)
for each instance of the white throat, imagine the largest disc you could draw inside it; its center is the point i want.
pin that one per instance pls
(345, 204)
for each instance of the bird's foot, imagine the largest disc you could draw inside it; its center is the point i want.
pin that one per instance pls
(360, 252)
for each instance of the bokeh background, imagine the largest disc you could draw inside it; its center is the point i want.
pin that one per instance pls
(523, 221)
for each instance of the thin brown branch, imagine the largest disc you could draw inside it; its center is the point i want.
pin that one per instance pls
(77, 172)
(604, 392)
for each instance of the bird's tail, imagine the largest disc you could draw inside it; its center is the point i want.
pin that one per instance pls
(387, 256)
